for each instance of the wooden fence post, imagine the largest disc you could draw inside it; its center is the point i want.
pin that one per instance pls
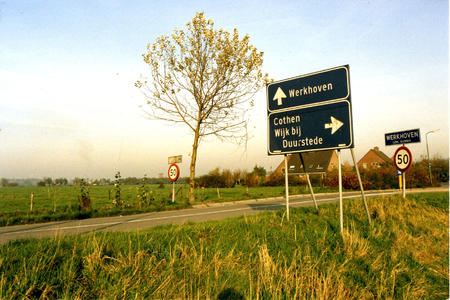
(32, 199)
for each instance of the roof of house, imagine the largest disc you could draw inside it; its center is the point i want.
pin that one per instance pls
(382, 155)
(378, 153)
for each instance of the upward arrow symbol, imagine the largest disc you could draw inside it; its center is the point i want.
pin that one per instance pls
(279, 95)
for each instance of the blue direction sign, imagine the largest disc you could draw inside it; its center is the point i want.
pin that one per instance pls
(317, 87)
(310, 112)
(402, 137)
(311, 129)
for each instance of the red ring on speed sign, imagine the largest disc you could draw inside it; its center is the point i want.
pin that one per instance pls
(403, 159)
(174, 172)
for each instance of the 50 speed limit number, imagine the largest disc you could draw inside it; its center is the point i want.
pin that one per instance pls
(174, 172)
(402, 159)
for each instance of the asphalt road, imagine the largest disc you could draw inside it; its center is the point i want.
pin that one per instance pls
(199, 213)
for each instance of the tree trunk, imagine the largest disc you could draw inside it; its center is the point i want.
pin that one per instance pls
(192, 168)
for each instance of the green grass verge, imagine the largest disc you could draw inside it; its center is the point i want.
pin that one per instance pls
(404, 254)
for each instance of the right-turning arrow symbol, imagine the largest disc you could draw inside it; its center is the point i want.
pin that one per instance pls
(334, 125)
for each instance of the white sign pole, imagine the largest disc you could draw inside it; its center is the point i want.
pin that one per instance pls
(286, 178)
(173, 191)
(341, 207)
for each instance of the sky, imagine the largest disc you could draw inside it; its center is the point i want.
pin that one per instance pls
(69, 107)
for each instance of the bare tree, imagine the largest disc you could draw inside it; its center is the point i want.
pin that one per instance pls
(203, 78)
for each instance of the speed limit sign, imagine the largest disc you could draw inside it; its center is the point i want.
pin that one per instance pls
(174, 172)
(402, 159)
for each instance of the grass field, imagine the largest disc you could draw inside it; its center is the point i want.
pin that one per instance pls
(56, 203)
(404, 254)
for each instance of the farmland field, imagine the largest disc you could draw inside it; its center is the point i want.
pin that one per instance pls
(54, 203)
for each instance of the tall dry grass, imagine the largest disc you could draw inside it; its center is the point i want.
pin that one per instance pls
(403, 255)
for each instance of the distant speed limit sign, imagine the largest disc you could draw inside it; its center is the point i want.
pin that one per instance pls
(402, 159)
(174, 172)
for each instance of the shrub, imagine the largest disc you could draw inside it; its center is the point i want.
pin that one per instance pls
(384, 177)
(349, 180)
(84, 199)
(418, 176)
(118, 201)
(228, 177)
(214, 179)
(275, 179)
(253, 180)
(145, 194)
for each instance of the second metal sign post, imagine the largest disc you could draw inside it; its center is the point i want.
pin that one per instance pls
(174, 173)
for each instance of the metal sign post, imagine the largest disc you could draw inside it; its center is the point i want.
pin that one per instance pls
(404, 185)
(341, 205)
(309, 182)
(174, 173)
(361, 186)
(403, 160)
(286, 185)
(400, 180)
(307, 163)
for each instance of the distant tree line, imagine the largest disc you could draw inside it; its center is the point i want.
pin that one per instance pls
(47, 181)
(4, 182)
(383, 177)
(227, 179)
(123, 181)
